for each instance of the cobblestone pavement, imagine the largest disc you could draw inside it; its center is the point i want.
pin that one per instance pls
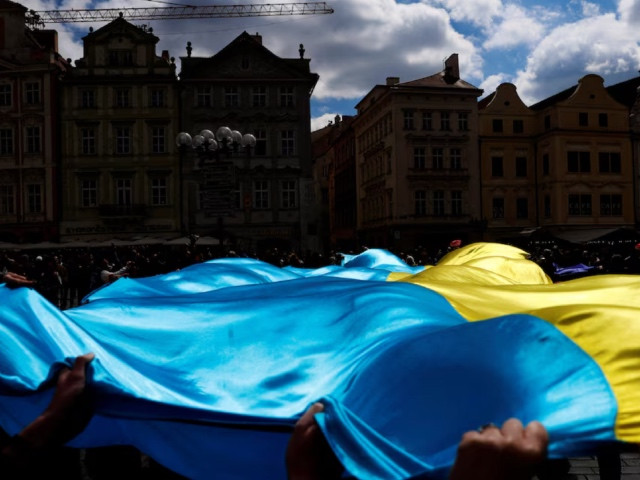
(586, 468)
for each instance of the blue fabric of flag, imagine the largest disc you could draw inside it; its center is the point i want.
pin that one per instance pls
(207, 369)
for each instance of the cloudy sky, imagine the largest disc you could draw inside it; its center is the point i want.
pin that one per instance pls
(541, 46)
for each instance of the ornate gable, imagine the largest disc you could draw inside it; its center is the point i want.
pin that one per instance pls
(245, 57)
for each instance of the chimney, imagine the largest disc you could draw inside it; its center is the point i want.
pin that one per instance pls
(257, 37)
(392, 81)
(451, 69)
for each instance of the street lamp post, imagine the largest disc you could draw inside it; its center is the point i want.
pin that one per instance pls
(209, 148)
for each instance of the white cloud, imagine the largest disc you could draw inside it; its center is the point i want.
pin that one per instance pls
(629, 11)
(479, 12)
(492, 82)
(322, 121)
(590, 9)
(517, 27)
(584, 49)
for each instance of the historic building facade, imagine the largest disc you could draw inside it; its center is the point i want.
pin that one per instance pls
(29, 148)
(248, 88)
(343, 197)
(119, 117)
(585, 168)
(417, 161)
(564, 164)
(507, 163)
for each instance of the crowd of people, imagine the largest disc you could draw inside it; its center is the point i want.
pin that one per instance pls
(66, 276)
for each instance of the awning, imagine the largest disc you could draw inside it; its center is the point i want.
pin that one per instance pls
(591, 234)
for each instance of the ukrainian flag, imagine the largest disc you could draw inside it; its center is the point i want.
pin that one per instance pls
(207, 369)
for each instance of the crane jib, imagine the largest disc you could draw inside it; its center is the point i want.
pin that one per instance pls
(178, 12)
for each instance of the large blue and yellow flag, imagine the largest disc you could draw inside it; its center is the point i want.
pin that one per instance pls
(208, 368)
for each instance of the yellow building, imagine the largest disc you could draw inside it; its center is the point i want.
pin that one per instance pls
(585, 169)
(417, 161)
(507, 157)
(566, 167)
(119, 117)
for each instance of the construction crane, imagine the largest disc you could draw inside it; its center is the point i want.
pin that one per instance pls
(39, 18)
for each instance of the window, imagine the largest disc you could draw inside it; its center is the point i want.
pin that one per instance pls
(444, 121)
(89, 192)
(437, 158)
(545, 164)
(408, 120)
(609, 162)
(87, 98)
(32, 134)
(578, 162)
(419, 158)
(34, 198)
(120, 58)
(231, 98)
(497, 125)
(7, 200)
(547, 206)
(547, 122)
(261, 142)
(287, 143)
(5, 95)
(122, 99)
(498, 207)
(288, 194)
(518, 126)
(260, 194)
(463, 121)
(157, 97)
(496, 167)
(427, 121)
(420, 202)
(286, 97)
(88, 141)
(438, 202)
(610, 205)
(158, 140)
(603, 120)
(522, 208)
(579, 204)
(521, 166)
(159, 191)
(32, 93)
(6, 141)
(203, 96)
(123, 140)
(259, 96)
(123, 191)
(456, 202)
(455, 156)
(583, 119)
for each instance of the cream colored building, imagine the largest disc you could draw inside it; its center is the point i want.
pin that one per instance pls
(585, 168)
(417, 161)
(568, 168)
(121, 171)
(507, 130)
